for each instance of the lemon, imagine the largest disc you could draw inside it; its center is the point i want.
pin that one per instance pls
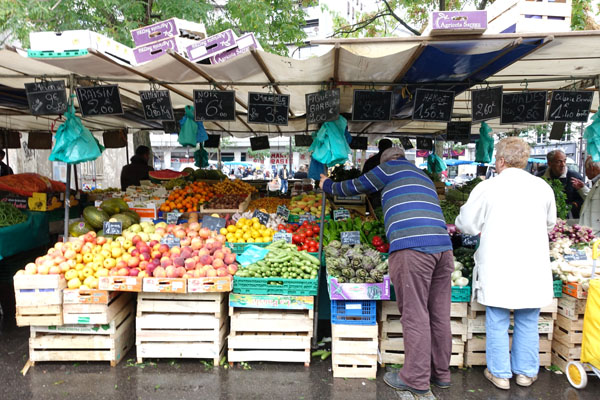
(267, 239)
(255, 219)
(256, 225)
(246, 228)
(247, 236)
(250, 241)
(238, 234)
(241, 241)
(241, 221)
(230, 237)
(255, 234)
(223, 231)
(231, 228)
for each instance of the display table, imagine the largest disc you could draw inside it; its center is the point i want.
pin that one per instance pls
(25, 236)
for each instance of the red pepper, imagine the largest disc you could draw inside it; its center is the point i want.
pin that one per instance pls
(377, 241)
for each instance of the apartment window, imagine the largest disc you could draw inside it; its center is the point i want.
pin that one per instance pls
(352, 14)
(348, 8)
(311, 23)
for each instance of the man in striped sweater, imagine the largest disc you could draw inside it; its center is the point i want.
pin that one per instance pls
(421, 263)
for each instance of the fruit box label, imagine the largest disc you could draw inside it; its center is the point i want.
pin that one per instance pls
(574, 289)
(91, 296)
(472, 21)
(165, 285)
(359, 291)
(271, 301)
(210, 284)
(120, 283)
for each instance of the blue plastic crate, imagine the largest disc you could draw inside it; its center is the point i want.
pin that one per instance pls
(354, 312)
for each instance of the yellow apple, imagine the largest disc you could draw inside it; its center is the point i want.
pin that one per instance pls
(109, 263)
(101, 272)
(70, 274)
(79, 266)
(88, 257)
(96, 265)
(87, 271)
(99, 258)
(116, 252)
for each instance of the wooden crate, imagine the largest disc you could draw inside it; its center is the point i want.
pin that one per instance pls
(567, 331)
(391, 351)
(389, 307)
(38, 299)
(84, 342)
(192, 325)
(392, 327)
(476, 309)
(571, 308)
(270, 334)
(354, 351)
(476, 326)
(475, 351)
(78, 309)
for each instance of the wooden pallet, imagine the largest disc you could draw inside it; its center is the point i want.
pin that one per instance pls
(390, 308)
(561, 361)
(571, 308)
(392, 327)
(567, 331)
(99, 313)
(391, 351)
(192, 325)
(265, 334)
(475, 351)
(354, 351)
(476, 309)
(84, 342)
(476, 326)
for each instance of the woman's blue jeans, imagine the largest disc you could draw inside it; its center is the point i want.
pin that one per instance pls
(523, 358)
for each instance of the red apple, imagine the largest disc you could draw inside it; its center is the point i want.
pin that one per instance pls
(194, 226)
(185, 253)
(222, 272)
(143, 265)
(229, 258)
(133, 262)
(123, 272)
(165, 262)
(219, 254)
(204, 233)
(190, 263)
(226, 250)
(175, 250)
(153, 243)
(232, 268)
(221, 239)
(206, 260)
(180, 271)
(135, 253)
(159, 272)
(100, 240)
(171, 271)
(134, 272)
(218, 263)
(163, 248)
(145, 257)
(179, 261)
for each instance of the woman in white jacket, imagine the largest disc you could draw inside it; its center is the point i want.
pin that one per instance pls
(513, 213)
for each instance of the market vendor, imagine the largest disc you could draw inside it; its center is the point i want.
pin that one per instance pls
(590, 210)
(572, 182)
(372, 162)
(420, 261)
(513, 213)
(137, 171)
(4, 168)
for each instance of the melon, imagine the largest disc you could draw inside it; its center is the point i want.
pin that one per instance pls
(95, 217)
(102, 234)
(132, 214)
(166, 175)
(111, 206)
(125, 220)
(78, 228)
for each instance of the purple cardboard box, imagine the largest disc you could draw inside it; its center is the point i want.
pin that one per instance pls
(244, 44)
(446, 22)
(212, 45)
(165, 29)
(359, 291)
(154, 50)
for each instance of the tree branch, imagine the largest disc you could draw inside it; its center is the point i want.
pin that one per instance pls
(348, 29)
(404, 24)
(482, 4)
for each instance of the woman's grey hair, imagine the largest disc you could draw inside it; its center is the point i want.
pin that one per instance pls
(515, 152)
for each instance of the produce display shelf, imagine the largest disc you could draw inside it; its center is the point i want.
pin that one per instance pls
(239, 248)
(281, 286)
(354, 312)
(461, 294)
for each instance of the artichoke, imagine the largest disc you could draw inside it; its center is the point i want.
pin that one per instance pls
(336, 244)
(383, 266)
(377, 275)
(361, 273)
(332, 252)
(356, 263)
(344, 248)
(342, 279)
(333, 272)
(355, 280)
(370, 280)
(348, 272)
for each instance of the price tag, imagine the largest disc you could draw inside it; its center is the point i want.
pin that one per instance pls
(284, 212)
(170, 241)
(263, 218)
(350, 237)
(306, 217)
(341, 214)
(282, 236)
(578, 255)
(173, 217)
(470, 240)
(212, 223)
(112, 228)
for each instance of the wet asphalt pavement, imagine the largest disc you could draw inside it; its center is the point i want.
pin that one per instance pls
(193, 379)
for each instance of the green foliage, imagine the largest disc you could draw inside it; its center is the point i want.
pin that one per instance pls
(579, 10)
(560, 197)
(274, 22)
(259, 154)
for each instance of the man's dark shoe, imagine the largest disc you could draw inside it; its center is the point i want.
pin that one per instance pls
(393, 380)
(440, 384)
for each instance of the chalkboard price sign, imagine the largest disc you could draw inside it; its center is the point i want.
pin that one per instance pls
(263, 218)
(157, 105)
(282, 236)
(486, 103)
(322, 106)
(306, 217)
(406, 143)
(341, 214)
(469, 240)
(283, 211)
(433, 105)
(268, 108)
(372, 105)
(577, 255)
(259, 143)
(350, 237)
(570, 106)
(528, 106)
(458, 131)
(46, 98)
(424, 144)
(170, 240)
(214, 105)
(112, 228)
(99, 100)
(213, 223)
(359, 143)
(173, 217)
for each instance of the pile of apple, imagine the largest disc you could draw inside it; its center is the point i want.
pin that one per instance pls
(201, 254)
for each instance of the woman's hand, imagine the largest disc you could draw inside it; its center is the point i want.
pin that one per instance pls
(322, 181)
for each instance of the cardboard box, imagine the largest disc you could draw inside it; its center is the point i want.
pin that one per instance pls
(146, 210)
(358, 291)
(244, 44)
(120, 283)
(80, 39)
(87, 296)
(458, 22)
(574, 289)
(212, 45)
(278, 302)
(165, 285)
(172, 27)
(210, 284)
(151, 51)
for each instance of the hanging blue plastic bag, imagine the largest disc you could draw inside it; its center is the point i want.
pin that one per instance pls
(201, 136)
(592, 136)
(188, 135)
(330, 146)
(484, 147)
(435, 164)
(74, 143)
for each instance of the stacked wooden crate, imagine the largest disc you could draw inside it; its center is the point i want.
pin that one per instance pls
(391, 342)
(181, 325)
(270, 328)
(99, 326)
(475, 345)
(38, 299)
(568, 331)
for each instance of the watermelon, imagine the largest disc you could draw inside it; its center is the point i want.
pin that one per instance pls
(135, 216)
(125, 220)
(78, 228)
(166, 175)
(95, 217)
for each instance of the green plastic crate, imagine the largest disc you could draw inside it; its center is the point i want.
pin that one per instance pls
(461, 294)
(56, 54)
(290, 287)
(558, 288)
(239, 248)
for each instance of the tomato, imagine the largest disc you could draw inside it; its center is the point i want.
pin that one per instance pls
(295, 239)
(289, 230)
(309, 233)
(313, 249)
(304, 247)
(281, 227)
(316, 229)
(302, 237)
(305, 223)
(312, 243)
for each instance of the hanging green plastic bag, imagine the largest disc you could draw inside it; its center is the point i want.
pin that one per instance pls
(329, 145)
(189, 129)
(592, 135)
(484, 147)
(74, 143)
(435, 164)
(201, 157)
